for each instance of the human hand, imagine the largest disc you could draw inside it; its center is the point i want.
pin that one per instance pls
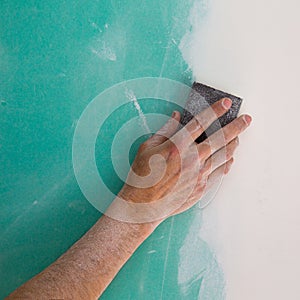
(171, 167)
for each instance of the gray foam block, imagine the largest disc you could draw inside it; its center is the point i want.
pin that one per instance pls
(201, 97)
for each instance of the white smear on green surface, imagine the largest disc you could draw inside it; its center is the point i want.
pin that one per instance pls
(131, 96)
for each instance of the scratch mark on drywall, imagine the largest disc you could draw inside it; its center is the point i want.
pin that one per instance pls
(105, 52)
(95, 25)
(152, 251)
(131, 96)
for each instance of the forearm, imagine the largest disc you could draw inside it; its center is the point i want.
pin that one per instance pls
(88, 267)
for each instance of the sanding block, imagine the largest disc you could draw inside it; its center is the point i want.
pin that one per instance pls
(201, 97)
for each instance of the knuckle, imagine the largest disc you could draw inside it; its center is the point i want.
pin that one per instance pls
(207, 167)
(228, 151)
(172, 150)
(194, 125)
(203, 183)
(204, 149)
(229, 154)
(213, 112)
(198, 123)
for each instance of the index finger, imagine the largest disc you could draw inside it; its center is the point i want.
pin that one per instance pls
(199, 123)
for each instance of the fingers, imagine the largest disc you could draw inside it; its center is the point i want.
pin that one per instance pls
(220, 157)
(223, 136)
(218, 173)
(166, 131)
(201, 122)
(204, 185)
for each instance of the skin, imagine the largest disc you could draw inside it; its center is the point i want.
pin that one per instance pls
(88, 267)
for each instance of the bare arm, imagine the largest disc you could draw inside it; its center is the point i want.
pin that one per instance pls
(88, 267)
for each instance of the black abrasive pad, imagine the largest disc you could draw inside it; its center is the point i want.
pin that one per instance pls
(201, 97)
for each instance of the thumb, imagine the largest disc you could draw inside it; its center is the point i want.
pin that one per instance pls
(165, 132)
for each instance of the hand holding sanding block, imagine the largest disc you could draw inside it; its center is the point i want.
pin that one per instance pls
(201, 97)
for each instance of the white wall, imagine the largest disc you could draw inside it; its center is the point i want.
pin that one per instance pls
(252, 48)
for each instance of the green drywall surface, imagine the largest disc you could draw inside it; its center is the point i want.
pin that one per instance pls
(55, 57)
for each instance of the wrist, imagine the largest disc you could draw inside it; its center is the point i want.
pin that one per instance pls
(136, 233)
(128, 215)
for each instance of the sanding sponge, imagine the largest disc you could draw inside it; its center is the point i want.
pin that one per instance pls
(201, 97)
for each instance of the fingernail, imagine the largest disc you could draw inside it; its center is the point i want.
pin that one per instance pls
(174, 114)
(247, 119)
(226, 102)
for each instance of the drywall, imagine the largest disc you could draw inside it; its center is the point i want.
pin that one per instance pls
(252, 48)
(56, 56)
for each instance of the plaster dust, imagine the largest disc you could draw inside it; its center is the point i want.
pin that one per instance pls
(249, 49)
(131, 96)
